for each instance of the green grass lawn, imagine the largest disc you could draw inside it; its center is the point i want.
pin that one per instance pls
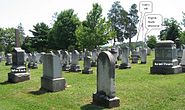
(136, 88)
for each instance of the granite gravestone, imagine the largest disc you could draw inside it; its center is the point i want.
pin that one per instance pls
(183, 61)
(105, 95)
(115, 54)
(143, 56)
(32, 63)
(125, 63)
(135, 56)
(148, 51)
(94, 58)
(8, 59)
(52, 79)
(87, 64)
(65, 57)
(165, 61)
(18, 70)
(75, 67)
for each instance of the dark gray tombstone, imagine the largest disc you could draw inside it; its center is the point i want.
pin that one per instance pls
(115, 54)
(94, 58)
(125, 63)
(105, 95)
(135, 56)
(32, 61)
(183, 61)
(65, 57)
(165, 61)
(18, 70)
(148, 51)
(87, 64)
(52, 79)
(143, 56)
(75, 67)
(8, 59)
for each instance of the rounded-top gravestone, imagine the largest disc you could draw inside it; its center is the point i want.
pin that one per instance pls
(105, 95)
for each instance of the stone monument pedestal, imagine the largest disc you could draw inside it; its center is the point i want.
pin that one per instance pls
(74, 68)
(87, 71)
(93, 64)
(124, 66)
(18, 75)
(166, 70)
(65, 67)
(165, 61)
(52, 85)
(102, 100)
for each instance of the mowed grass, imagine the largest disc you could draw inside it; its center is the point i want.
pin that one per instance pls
(136, 88)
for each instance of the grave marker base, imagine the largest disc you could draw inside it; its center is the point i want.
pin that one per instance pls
(18, 77)
(102, 100)
(52, 85)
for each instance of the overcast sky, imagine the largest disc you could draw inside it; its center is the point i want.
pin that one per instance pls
(30, 12)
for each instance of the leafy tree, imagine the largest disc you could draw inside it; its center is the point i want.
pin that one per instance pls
(8, 39)
(171, 31)
(94, 31)
(40, 40)
(27, 45)
(62, 35)
(151, 42)
(117, 15)
(132, 20)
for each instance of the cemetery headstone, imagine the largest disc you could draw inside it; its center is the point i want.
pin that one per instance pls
(125, 63)
(183, 61)
(135, 56)
(18, 70)
(148, 51)
(8, 59)
(115, 54)
(94, 58)
(87, 64)
(65, 66)
(52, 79)
(143, 56)
(165, 61)
(75, 67)
(105, 95)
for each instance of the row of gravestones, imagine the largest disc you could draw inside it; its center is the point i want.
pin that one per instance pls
(70, 61)
(53, 81)
(165, 62)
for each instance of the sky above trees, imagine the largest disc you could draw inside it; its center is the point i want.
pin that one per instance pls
(30, 12)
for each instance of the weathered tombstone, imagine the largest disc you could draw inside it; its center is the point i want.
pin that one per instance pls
(183, 61)
(75, 67)
(143, 56)
(87, 64)
(32, 63)
(81, 55)
(41, 57)
(115, 54)
(8, 59)
(52, 79)
(38, 55)
(1, 56)
(179, 55)
(125, 63)
(65, 66)
(18, 70)
(165, 61)
(105, 95)
(135, 57)
(94, 58)
(34, 66)
(148, 51)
